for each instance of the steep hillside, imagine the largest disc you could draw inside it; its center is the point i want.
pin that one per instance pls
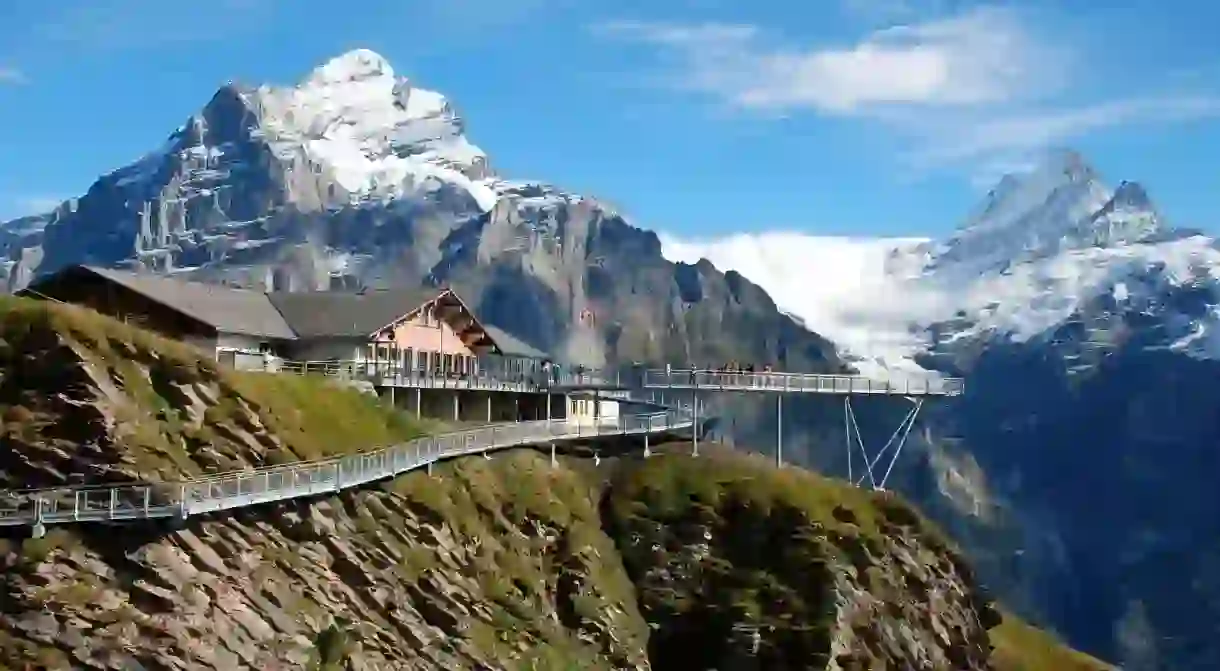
(505, 563)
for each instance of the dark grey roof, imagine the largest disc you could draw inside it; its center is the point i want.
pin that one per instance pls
(287, 315)
(511, 345)
(321, 314)
(227, 309)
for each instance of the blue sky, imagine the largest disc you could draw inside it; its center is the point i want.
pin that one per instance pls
(697, 117)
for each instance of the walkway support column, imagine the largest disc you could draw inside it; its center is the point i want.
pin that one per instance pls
(457, 407)
(548, 406)
(779, 431)
(419, 402)
(695, 425)
(489, 407)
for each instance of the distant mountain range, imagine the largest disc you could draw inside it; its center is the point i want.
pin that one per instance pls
(1078, 466)
(1077, 469)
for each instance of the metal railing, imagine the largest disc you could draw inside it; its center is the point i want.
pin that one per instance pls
(810, 383)
(277, 483)
(386, 373)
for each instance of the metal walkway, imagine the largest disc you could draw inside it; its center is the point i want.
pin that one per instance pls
(384, 374)
(238, 489)
(914, 388)
(803, 383)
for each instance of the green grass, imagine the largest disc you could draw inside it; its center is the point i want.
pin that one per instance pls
(161, 408)
(773, 535)
(1020, 647)
(532, 524)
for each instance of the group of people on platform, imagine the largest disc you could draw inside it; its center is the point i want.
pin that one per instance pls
(736, 367)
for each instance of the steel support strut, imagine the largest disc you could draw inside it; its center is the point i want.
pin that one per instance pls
(897, 441)
(779, 430)
(695, 424)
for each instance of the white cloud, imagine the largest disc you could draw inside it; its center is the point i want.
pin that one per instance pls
(840, 286)
(986, 86)
(983, 56)
(11, 75)
(1004, 134)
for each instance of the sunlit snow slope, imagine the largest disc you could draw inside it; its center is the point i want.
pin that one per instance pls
(374, 132)
(1041, 246)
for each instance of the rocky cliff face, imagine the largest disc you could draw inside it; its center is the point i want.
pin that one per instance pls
(718, 561)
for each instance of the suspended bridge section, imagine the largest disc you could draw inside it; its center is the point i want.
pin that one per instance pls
(915, 388)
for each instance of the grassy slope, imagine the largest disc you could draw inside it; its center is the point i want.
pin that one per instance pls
(164, 409)
(1020, 647)
(155, 430)
(672, 488)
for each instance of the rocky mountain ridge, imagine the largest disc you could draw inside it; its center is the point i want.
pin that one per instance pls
(356, 177)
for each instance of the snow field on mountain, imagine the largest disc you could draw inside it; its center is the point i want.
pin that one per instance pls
(844, 288)
(374, 133)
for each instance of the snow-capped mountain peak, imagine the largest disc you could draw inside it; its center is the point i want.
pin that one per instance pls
(355, 65)
(1060, 205)
(1043, 248)
(373, 133)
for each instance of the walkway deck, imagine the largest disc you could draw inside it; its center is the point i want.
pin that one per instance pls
(385, 375)
(278, 483)
(382, 374)
(802, 383)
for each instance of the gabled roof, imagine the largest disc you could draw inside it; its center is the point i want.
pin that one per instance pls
(287, 315)
(511, 345)
(339, 314)
(227, 309)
